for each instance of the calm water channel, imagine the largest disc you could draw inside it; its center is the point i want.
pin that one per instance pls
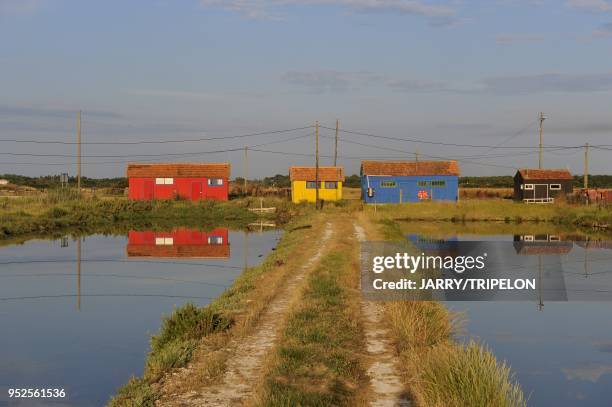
(78, 315)
(560, 351)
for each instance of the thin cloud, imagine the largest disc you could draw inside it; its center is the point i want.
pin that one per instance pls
(549, 82)
(418, 85)
(510, 39)
(34, 111)
(604, 30)
(265, 9)
(328, 80)
(591, 5)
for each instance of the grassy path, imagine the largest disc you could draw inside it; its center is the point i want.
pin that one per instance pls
(243, 369)
(319, 360)
(383, 371)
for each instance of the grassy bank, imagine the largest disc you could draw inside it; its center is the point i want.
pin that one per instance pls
(497, 210)
(190, 333)
(438, 371)
(65, 211)
(318, 361)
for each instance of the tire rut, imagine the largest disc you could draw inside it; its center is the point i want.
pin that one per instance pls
(244, 366)
(385, 379)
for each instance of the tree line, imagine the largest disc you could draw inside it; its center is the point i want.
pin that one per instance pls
(282, 181)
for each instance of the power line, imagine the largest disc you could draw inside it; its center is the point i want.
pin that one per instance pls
(263, 133)
(413, 140)
(455, 157)
(182, 154)
(369, 157)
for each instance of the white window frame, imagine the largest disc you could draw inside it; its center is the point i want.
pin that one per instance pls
(164, 181)
(164, 241)
(528, 187)
(555, 187)
(325, 183)
(218, 182)
(217, 240)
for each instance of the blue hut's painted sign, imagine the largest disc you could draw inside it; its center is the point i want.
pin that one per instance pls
(409, 181)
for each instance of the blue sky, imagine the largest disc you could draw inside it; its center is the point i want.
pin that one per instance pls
(459, 72)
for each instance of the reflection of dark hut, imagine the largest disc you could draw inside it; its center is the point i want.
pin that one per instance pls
(549, 269)
(528, 245)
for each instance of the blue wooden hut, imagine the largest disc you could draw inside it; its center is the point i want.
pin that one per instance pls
(409, 181)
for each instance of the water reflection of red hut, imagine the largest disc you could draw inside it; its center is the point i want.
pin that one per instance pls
(185, 243)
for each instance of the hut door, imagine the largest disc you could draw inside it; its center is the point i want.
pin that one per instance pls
(196, 191)
(147, 189)
(540, 191)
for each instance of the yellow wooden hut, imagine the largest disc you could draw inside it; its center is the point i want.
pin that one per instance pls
(303, 184)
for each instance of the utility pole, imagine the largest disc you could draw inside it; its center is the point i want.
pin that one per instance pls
(586, 166)
(541, 118)
(336, 147)
(416, 158)
(246, 169)
(79, 151)
(317, 165)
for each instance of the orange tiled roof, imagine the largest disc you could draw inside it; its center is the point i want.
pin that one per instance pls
(408, 168)
(308, 173)
(179, 170)
(545, 173)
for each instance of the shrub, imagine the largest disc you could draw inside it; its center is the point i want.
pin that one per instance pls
(189, 322)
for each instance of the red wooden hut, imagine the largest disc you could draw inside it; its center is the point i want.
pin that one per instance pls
(179, 243)
(192, 181)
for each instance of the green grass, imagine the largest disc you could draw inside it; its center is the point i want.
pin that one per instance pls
(466, 375)
(438, 371)
(500, 210)
(58, 211)
(316, 363)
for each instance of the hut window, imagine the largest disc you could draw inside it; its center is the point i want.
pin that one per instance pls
(215, 182)
(555, 186)
(164, 241)
(528, 186)
(164, 181)
(432, 184)
(311, 184)
(215, 239)
(388, 184)
(331, 185)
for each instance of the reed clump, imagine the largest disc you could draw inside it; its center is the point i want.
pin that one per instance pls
(441, 372)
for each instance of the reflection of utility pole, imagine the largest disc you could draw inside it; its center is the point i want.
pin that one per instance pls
(245, 249)
(79, 273)
(586, 260)
(540, 303)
